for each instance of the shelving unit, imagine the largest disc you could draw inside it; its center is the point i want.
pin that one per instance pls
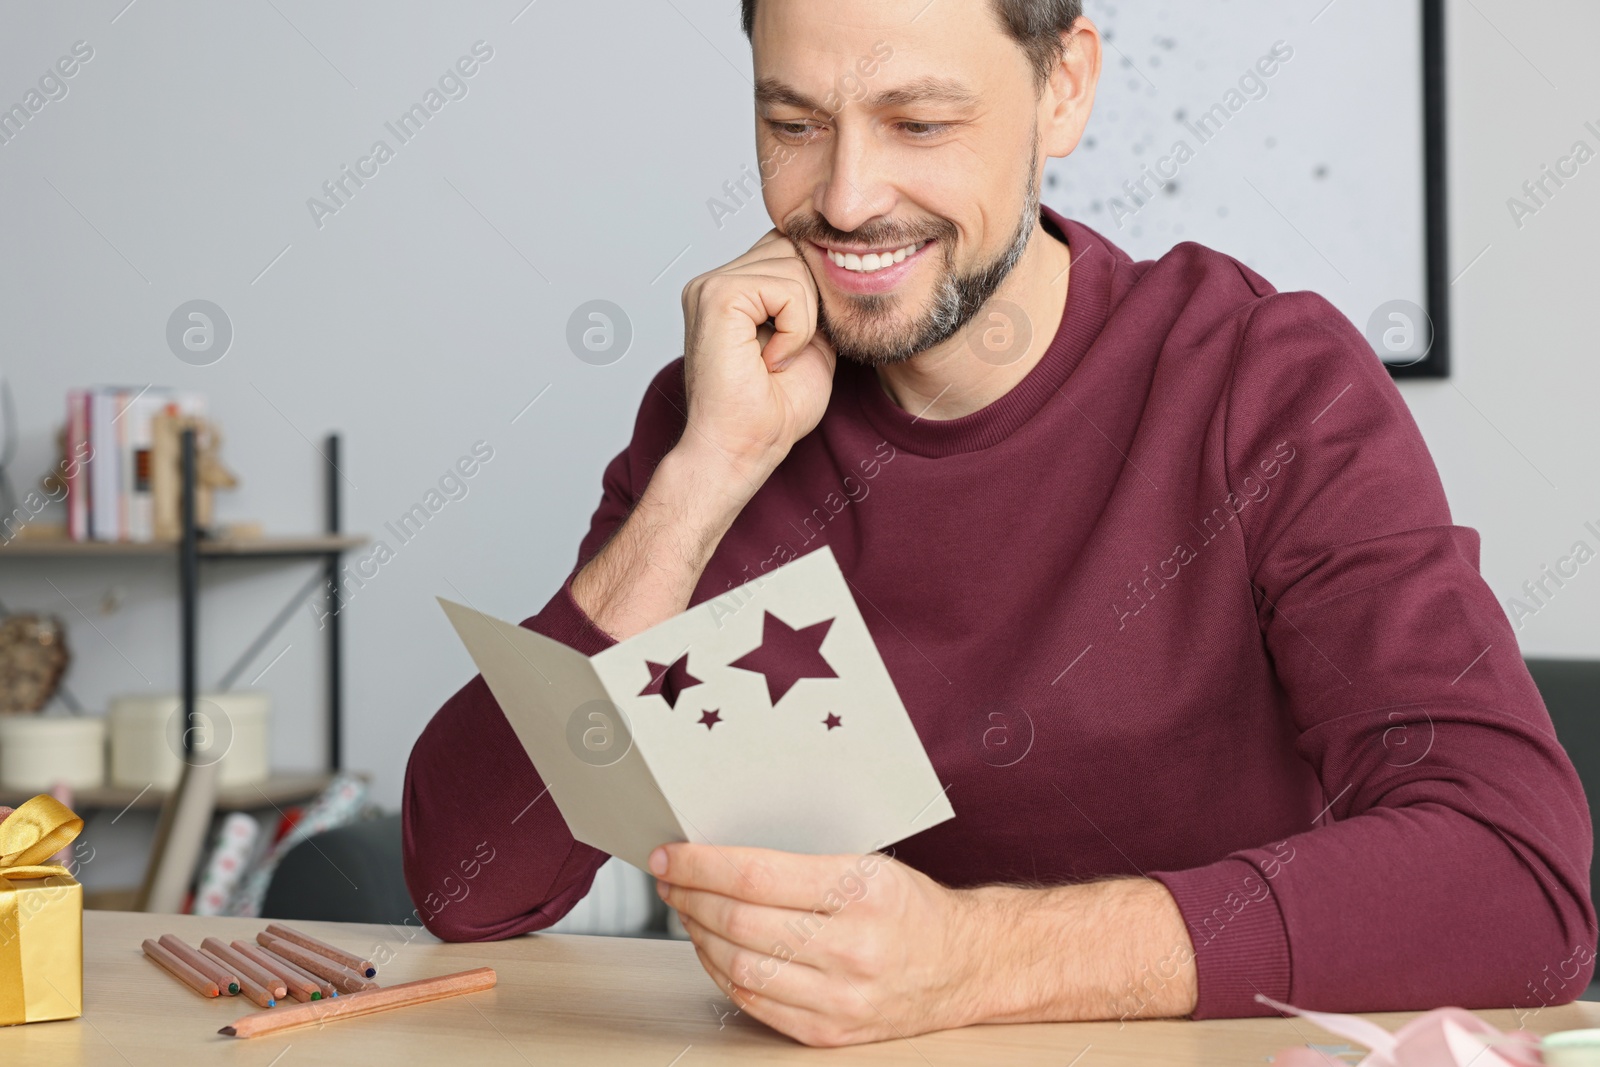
(233, 547)
(191, 550)
(275, 792)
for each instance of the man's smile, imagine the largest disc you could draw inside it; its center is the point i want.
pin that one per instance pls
(869, 270)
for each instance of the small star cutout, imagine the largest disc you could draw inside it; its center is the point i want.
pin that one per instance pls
(832, 720)
(710, 718)
(787, 655)
(669, 681)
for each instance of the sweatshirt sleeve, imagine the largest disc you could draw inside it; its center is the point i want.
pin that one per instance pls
(1451, 865)
(486, 853)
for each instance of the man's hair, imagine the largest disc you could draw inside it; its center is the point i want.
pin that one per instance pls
(1036, 26)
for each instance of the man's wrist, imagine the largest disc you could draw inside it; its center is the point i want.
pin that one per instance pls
(648, 570)
(1114, 949)
(1018, 954)
(701, 493)
(725, 479)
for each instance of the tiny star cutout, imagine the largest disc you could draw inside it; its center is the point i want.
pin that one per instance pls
(832, 720)
(710, 718)
(669, 681)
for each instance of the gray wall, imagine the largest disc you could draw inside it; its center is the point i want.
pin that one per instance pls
(428, 312)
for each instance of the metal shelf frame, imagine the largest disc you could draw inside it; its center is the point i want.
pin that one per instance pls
(191, 551)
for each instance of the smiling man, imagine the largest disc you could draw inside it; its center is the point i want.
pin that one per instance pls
(1155, 555)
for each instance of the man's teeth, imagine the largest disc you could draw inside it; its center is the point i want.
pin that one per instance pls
(872, 260)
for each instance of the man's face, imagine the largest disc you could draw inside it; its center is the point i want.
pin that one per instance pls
(906, 130)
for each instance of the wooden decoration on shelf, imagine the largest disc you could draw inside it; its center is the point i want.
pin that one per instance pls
(166, 471)
(33, 657)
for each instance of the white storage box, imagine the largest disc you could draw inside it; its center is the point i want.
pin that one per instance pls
(38, 751)
(147, 737)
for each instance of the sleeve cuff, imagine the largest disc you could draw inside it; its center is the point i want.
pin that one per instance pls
(1241, 946)
(563, 620)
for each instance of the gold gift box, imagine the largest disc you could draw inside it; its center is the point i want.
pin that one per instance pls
(41, 916)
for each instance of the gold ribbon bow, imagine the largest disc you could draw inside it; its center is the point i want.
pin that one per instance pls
(28, 836)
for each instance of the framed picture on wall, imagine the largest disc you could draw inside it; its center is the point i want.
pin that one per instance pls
(1305, 139)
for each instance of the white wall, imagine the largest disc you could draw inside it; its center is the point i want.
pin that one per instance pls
(1514, 430)
(432, 308)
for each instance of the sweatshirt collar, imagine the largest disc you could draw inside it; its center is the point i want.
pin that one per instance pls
(1088, 290)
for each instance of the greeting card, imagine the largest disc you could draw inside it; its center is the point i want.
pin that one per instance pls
(762, 717)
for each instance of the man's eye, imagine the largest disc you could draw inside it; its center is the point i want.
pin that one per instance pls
(922, 130)
(792, 130)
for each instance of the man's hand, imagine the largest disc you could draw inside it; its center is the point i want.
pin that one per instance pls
(754, 390)
(837, 950)
(831, 950)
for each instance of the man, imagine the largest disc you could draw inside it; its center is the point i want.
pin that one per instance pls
(1155, 555)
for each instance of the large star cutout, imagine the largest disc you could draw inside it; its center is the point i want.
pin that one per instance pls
(787, 655)
(669, 681)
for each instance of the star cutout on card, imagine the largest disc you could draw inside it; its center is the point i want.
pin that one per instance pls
(787, 655)
(708, 719)
(668, 681)
(832, 720)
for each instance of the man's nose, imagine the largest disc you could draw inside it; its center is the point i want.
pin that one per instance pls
(857, 187)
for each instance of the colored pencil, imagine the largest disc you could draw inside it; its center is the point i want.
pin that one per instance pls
(248, 986)
(302, 989)
(226, 980)
(365, 968)
(180, 970)
(315, 964)
(246, 968)
(325, 987)
(363, 1003)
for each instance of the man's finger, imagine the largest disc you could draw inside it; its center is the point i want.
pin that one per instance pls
(798, 1023)
(786, 981)
(773, 245)
(767, 876)
(757, 927)
(741, 998)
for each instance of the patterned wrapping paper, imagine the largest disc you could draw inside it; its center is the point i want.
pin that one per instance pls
(236, 842)
(340, 803)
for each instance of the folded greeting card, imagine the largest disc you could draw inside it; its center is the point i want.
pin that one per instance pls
(762, 717)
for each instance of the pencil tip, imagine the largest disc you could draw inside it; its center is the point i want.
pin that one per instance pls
(233, 989)
(272, 1003)
(228, 1031)
(372, 972)
(316, 996)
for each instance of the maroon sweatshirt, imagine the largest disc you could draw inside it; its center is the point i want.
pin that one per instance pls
(1187, 602)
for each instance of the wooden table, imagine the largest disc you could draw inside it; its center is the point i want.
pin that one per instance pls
(564, 999)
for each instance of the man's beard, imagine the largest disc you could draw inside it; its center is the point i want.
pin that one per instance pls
(864, 328)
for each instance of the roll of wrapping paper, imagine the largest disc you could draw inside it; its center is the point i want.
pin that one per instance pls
(236, 840)
(340, 803)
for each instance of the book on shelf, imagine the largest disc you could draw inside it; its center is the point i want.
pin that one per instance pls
(112, 495)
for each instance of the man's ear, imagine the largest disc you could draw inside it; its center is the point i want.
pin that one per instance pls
(1068, 96)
